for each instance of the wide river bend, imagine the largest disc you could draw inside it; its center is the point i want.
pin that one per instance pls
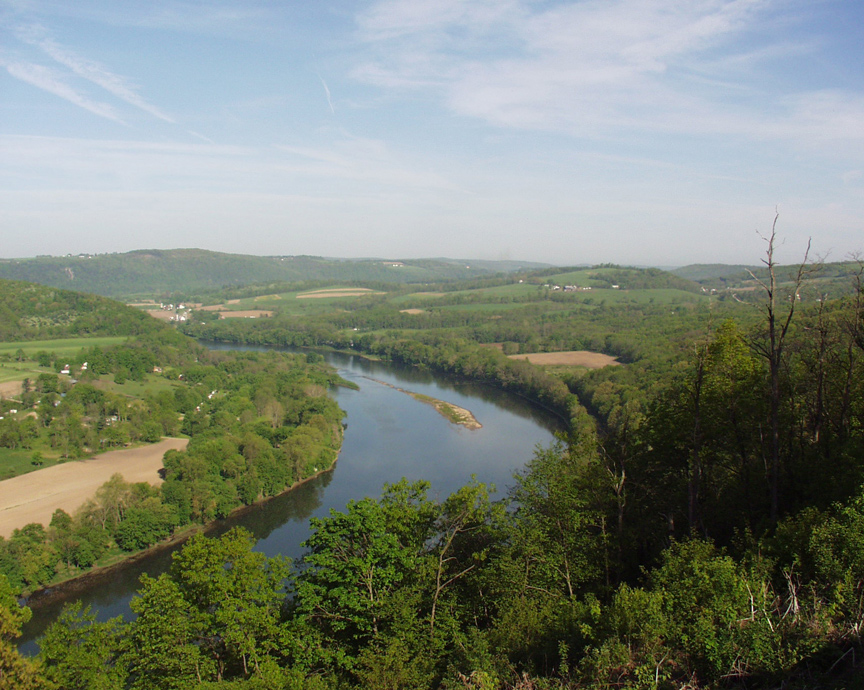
(389, 435)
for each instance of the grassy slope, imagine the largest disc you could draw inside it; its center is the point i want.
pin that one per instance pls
(700, 272)
(11, 370)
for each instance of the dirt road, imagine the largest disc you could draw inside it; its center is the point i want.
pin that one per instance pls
(35, 496)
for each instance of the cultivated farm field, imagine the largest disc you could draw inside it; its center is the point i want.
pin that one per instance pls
(34, 497)
(573, 358)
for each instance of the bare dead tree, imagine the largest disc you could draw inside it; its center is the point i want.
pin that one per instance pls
(778, 318)
(856, 324)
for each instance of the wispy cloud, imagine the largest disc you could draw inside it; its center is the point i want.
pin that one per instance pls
(327, 92)
(603, 68)
(91, 70)
(201, 137)
(214, 17)
(49, 80)
(358, 167)
(391, 19)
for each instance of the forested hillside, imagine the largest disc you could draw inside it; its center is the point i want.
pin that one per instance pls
(824, 279)
(189, 271)
(31, 312)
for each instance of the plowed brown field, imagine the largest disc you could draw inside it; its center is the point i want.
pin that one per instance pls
(35, 496)
(10, 389)
(574, 358)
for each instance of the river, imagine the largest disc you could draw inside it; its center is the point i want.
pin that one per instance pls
(389, 435)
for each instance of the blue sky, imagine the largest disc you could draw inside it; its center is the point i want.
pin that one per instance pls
(632, 131)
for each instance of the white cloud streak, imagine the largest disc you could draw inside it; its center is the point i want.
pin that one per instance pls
(92, 71)
(49, 80)
(327, 92)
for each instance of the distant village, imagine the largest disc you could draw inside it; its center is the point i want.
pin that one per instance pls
(572, 288)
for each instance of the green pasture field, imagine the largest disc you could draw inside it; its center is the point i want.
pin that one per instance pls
(152, 384)
(419, 296)
(594, 297)
(61, 346)
(18, 371)
(16, 462)
(485, 306)
(647, 296)
(512, 290)
(11, 370)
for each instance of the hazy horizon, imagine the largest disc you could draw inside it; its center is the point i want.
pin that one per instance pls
(556, 131)
(76, 255)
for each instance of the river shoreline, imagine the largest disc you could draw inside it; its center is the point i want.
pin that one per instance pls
(87, 579)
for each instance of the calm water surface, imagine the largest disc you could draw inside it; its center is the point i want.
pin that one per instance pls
(389, 435)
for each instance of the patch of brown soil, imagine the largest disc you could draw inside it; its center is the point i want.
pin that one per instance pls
(161, 314)
(412, 311)
(10, 389)
(574, 358)
(212, 307)
(429, 294)
(35, 496)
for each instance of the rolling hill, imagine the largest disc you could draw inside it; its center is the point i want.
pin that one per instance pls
(163, 272)
(30, 311)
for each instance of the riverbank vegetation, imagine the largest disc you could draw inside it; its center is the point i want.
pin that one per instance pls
(257, 423)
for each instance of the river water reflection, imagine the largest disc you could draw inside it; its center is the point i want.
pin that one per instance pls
(389, 435)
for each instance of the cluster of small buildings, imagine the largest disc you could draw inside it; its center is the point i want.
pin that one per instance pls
(68, 371)
(181, 311)
(570, 288)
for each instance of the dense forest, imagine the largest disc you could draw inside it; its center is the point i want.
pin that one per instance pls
(700, 525)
